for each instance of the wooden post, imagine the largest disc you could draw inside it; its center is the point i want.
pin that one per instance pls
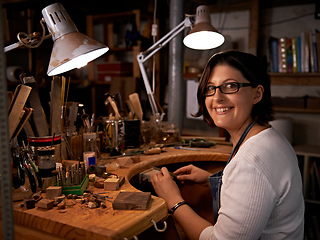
(254, 27)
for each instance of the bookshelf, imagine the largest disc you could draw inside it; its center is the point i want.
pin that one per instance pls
(311, 79)
(309, 153)
(298, 79)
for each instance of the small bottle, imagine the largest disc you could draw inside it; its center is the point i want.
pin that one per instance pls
(89, 149)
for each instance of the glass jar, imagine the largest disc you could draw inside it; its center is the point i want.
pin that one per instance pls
(46, 161)
(89, 149)
(170, 133)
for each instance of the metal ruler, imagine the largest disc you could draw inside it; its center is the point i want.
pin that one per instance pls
(5, 160)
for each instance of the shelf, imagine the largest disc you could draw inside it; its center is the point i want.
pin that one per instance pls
(296, 110)
(192, 75)
(307, 79)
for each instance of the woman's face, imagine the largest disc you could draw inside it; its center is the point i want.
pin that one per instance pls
(231, 111)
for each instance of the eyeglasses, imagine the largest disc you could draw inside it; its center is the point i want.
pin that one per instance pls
(226, 88)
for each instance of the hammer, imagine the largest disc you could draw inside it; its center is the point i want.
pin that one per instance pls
(113, 105)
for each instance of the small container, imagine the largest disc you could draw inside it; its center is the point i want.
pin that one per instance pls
(170, 133)
(114, 136)
(46, 161)
(132, 133)
(89, 149)
(156, 136)
(48, 141)
(146, 132)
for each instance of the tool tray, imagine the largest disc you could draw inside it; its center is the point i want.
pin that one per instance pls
(76, 189)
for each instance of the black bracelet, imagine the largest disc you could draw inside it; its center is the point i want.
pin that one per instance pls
(175, 207)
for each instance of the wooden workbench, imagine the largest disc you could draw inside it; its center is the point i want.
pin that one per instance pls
(79, 222)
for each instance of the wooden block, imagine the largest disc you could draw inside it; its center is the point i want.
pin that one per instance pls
(23, 121)
(20, 97)
(99, 183)
(111, 184)
(46, 203)
(132, 201)
(38, 117)
(53, 191)
(57, 86)
(124, 161)
(29, 203)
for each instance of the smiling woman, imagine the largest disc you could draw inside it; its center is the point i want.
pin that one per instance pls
(258, 195)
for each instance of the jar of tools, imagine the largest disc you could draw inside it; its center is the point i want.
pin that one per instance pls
(114, 136)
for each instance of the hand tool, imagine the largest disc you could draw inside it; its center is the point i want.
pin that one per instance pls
(151, 151)
(17, 162)
(29, 158)
(136, 105)
(186, 148)
(30, 175)
(173, 175)
(201, 144)
(198, 142)
(113, 105)
(118, 100)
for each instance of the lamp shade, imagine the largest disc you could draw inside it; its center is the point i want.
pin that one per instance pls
(71, 49)
(203, 35)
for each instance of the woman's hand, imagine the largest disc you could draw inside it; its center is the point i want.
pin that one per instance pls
(166, 188)
(194, 174)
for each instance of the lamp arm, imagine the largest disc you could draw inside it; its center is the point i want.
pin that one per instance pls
(33, 40)
(165, 39)
(144, 56)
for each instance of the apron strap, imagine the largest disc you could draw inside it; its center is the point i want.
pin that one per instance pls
(243, 136)
(215, 180)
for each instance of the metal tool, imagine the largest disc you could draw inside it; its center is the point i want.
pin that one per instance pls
(198, 142)
(118, 100)
(173, 175)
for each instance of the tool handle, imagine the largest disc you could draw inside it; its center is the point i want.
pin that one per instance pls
(21, 173)
(152, 151)
(35, 169)
(31, 178)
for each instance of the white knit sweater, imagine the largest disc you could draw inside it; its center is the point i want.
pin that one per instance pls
(261, 193)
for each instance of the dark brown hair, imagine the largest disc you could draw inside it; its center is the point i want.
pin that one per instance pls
(252, 69)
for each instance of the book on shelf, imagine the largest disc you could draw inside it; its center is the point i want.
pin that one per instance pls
(295, 53)
(306, 49)
(289, 53)
(273, 54)
(282, 55)
(313, 44)
(299, 54)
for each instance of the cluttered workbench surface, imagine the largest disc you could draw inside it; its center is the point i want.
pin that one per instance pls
(77, 220)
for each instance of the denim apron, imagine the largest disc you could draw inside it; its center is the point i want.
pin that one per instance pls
(215, 180)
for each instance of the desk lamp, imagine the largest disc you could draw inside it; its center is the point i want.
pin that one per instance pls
(71, 49)
(202, 36)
